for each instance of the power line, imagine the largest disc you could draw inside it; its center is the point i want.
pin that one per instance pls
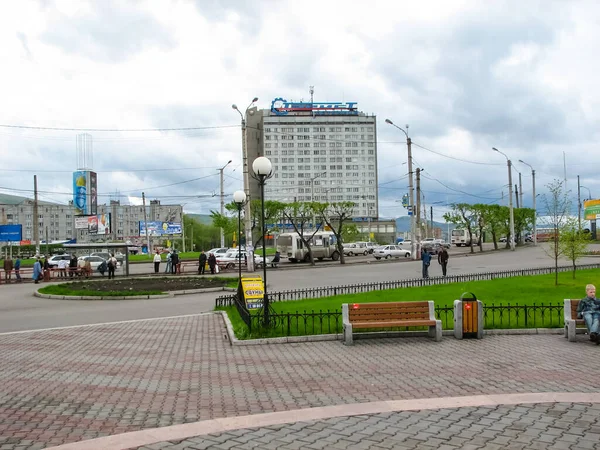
(457, 159)
(27, 127)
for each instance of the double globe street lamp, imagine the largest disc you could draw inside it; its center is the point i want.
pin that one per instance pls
(239, 198)
(263, 170)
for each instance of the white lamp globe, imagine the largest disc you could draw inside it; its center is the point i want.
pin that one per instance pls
(262, 166)
(239, 197)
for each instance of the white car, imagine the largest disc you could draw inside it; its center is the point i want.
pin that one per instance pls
(232, 258)
(390, 251)
(355, 248)
(219, 251)
(95, 261)
(53, 260)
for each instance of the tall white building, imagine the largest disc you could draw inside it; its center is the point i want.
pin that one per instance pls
(324, 152)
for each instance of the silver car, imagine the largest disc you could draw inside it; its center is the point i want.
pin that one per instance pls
(390, 251)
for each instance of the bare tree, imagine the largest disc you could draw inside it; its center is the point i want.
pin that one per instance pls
(557, 206)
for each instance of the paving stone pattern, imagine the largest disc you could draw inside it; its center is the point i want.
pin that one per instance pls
(514, 427)
(66, 385)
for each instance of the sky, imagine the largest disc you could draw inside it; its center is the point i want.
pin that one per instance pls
(465, 76)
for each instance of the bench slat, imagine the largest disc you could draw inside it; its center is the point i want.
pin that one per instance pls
(379, 305)
(396, 315)
(394, 323)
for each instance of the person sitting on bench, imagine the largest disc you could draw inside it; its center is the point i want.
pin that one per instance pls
(589, 310)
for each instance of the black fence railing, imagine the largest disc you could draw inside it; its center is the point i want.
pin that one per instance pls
(329, 291)
(330, 322)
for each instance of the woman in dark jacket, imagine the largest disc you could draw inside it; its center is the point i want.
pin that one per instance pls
(212, 263)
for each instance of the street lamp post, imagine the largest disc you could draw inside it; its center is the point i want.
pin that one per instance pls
(410, 191)
(247, 214)
(263, 170)
(223, 202)
(589, 192)
(510, 202)
(534, 208)
(239, 198)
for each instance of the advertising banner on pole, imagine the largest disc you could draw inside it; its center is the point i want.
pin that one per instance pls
(11, 233)
(591, 209)
(157, 228)
(253, 291)
(98, 224)
(80, 192)
(93, 183)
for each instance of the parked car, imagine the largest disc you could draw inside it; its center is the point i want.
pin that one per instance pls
(53, 260)
(390, 251)
(219, 251)
(369, 246)
(356, 248)
(231, 259)
(95, 261)
(432, 248)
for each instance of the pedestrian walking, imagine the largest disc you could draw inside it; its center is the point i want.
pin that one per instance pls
(202, 263)
(174, 262)
(426, 259)
(18, 269)
(8, 268)
(169, 262)
(37, 271)
(62, 268)
(112, 265)
(443, 260)
(212, 263)
(157, 260)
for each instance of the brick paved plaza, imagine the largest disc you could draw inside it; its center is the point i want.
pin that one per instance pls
(66, 385)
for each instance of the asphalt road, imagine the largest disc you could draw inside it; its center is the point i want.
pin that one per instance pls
(19, 310)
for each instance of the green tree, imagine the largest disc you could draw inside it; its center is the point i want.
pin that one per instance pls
(556, 209)
(335, 215)
(523, 221)
(463, 216)
(573, 241)
(351, 233)
(301, 215)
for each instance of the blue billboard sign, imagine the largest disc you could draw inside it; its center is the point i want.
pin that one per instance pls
(281, 107)
(158, 228)
(11, 233)
(80, 191)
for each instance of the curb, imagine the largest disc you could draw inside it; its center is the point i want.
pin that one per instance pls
(233, 340)
(131, 297)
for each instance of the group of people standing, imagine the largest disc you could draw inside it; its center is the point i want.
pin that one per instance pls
(442, 256)
(9, 266)
(211, 259)
(172, 261)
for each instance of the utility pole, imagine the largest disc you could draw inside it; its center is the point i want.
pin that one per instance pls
(431, 218)
(579, 202)
(47, 248)
(146, 225)
(183, 236)
(517, 195)
(425, 219)
(223, 202)
(36, 221)
(521, 191)
(418, 219)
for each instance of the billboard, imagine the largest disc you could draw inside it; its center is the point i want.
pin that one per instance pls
(591, 209)
(11, 233)
(85, 192)
(80, 192)
(81, 222)
(281, 107)
(158, 228)
(98, 224)
(93, 197)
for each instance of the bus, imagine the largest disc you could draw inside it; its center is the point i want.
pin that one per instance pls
(461, 237)
(545, 234)
(323, 245)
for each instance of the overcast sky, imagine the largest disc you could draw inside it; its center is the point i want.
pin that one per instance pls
(465, 76)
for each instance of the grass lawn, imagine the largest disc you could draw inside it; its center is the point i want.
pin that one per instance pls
(528, 290)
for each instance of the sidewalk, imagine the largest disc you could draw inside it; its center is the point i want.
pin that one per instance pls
(74, 384)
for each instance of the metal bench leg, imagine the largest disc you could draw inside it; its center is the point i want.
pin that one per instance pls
(348, 334)
(572, 330)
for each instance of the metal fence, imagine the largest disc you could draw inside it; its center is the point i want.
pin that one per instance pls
(330, 322)
(329, 291)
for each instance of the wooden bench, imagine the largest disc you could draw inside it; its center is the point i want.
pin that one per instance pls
(389, 315)
(571, 320)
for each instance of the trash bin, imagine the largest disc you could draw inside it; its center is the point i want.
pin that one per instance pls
(468, 317)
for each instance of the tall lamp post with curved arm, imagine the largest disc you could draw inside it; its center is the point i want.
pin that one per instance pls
(534, 208)
(247, 215)
(510, 202)
(263, 170)
(239, 198)
(410, 191)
